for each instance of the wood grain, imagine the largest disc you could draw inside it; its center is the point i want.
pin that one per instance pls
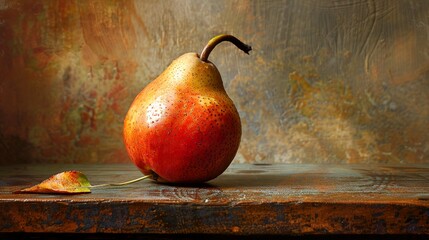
(246, 199)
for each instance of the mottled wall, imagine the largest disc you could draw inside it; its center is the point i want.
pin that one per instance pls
(327, 81)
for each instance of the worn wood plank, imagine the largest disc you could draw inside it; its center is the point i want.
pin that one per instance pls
(246, 199)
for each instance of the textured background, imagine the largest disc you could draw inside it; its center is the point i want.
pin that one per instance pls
(327, 81)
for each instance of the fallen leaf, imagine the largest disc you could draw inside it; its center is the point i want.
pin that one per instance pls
(68, 182)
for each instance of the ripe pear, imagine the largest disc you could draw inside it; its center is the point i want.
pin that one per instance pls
(183, 127)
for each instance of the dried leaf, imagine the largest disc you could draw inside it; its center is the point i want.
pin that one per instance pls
(69, 182)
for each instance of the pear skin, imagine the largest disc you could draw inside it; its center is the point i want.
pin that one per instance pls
(183, 127)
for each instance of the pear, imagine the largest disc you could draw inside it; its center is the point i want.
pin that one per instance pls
(183, 127)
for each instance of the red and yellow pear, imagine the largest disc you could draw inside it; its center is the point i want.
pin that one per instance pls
(183, 127)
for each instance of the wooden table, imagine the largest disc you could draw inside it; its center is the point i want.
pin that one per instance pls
(245, 200)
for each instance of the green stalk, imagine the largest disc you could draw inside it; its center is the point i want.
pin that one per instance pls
(120, 184)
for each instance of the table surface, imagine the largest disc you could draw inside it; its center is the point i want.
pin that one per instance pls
(246, 199)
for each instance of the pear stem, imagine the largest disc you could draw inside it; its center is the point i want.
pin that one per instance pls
(221, 38)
